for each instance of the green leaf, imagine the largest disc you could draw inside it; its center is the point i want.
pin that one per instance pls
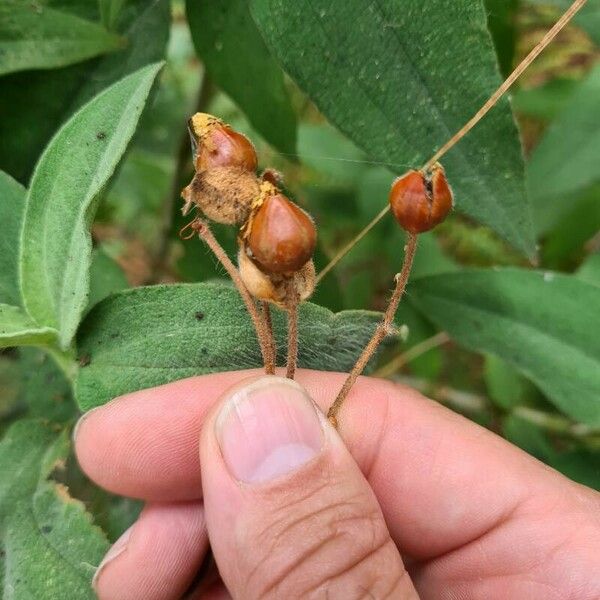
(331, 155)
(578, 464)
(570, 224)
(541, 323)
(32, 385)
(12, 204)
(109, 12)
(590, 269)
(149, 336)
(18, 329)
(424, 71)
(588, 17)
(237, 59)
(38, 37)
(50, 546)
(53, 96)
(46, 391)
(546, 101)
(11, 401)
(506, 387)
(106, 277)
(145, 25)
(566, 160)
(67, 183)
(502, 25)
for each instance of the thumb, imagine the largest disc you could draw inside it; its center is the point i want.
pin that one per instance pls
(288, 511)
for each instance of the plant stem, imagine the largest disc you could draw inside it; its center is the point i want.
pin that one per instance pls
(417, 350)
(292, 316)
(476, 404)
(382, 329)
(336, 259)
(268, 321)
(204, 232)
(493, 99)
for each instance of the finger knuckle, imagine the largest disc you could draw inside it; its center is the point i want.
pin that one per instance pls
(311, 549)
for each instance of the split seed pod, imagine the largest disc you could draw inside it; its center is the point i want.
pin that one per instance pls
(280, 236)
(216, 144)
(277, 244)
(223, 194)
(420, 200)
(225, 184)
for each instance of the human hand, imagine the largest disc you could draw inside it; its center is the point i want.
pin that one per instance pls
(292, 511)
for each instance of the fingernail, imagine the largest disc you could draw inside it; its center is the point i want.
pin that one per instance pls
(80, 421)
(268, 429)
(115, 550)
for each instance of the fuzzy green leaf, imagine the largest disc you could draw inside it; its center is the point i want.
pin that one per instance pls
(45, 389)
(148, 336)
(541, 323)
(235, 55)
(50, 546)
(66, 186)
(566, 160)
(18, 329)
(12, 204)
(106, 277)
(37, 37)
(426, 68)
(34, 104)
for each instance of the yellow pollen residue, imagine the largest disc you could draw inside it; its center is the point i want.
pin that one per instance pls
(266, 189)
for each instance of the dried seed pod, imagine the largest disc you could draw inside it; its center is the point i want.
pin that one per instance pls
(274, 287)
(216, 144)
(421, 200)
(223, 194)
(279, 236)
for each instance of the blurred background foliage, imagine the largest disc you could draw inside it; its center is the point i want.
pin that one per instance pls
(209, 69)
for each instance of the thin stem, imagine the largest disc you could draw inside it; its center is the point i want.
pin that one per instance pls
(493, 99)
(552, 33)
(262, 334)
(292, 316)
(268, 321)
(382, 329)
(417, 350)
(336, 259)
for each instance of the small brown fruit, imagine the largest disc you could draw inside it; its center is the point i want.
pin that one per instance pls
(280, 236)
(421, 200)
(223, 194)
(215, 144)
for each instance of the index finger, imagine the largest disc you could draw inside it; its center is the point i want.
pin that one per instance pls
(428, 466)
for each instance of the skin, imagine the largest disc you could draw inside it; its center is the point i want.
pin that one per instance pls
(471, 515)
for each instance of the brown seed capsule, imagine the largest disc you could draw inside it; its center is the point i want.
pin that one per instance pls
(223, 194)
(280, 236)
(421, 200)
(273, 287)
(215, 144)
